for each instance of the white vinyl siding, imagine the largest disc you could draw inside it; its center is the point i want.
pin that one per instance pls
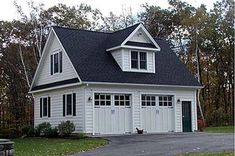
(84, 118)
(118, 56)
(57, 107)
(140, 36)
(136, 93)
(44, 72)
(151, 62)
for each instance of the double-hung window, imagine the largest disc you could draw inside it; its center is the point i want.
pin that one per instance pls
(69, 104)
(45, 107)
(56, 63)
(138, 60)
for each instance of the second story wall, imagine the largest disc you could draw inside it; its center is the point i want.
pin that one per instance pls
(118, 56)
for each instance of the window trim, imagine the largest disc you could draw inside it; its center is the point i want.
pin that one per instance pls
(66, 107)
(42, 110)
(138, 60)
(59, 62)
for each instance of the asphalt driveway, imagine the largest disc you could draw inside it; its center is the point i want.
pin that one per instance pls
(163, 144)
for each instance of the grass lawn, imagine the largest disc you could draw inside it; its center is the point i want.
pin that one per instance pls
(54, 147)
(221, 129)
(225, 153)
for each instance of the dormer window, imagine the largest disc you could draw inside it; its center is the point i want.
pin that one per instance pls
(56, 63)
(138, 60)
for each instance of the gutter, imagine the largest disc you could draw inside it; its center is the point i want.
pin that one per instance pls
(147, 85)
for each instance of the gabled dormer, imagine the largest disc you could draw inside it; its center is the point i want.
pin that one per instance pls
(136, 53)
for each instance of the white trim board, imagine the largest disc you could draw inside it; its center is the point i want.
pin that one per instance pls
(132, 47)
(57, 87)
(41, 59)
(140, 26)
(147, 85)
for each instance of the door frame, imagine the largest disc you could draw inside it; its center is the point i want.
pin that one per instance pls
(191, 102)
(111, 93)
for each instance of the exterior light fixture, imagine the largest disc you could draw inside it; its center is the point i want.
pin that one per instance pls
(90, 98)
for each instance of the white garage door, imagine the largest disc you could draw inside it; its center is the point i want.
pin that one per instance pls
(157, 113)
(112, 113)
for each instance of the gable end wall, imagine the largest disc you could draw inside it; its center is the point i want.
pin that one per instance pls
(44, 76)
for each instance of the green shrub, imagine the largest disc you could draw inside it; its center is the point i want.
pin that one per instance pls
(37, 132)
(42, 129)
(66, 128)
(81, 135)
(51, 132)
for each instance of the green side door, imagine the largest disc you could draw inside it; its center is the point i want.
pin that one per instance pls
(186, 116)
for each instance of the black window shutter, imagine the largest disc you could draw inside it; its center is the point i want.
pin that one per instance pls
(49, 107)
(63, 105)
(74, 104)
(51, 64)
(60, 55)
(40, 107)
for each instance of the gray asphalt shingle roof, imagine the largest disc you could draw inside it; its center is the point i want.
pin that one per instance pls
(87, 52)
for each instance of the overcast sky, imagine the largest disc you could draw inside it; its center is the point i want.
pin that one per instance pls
(8, 11)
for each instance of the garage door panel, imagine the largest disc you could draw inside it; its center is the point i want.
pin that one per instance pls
(128, 117)
(170, 121)
(107, 125)
(96, 116)
(157, 113)
(113, 117)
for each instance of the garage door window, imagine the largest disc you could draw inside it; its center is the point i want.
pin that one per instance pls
(165, 101)
(148, 100)
(122, 100)
(102, 100)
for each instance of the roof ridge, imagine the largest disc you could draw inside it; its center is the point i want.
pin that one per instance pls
(126, 28)
(63, 27)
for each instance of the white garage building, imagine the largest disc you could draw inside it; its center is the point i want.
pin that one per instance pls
(113, 83)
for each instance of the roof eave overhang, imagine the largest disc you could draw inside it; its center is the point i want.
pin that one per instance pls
(146, 85)
(57, 87)
(132, 47)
